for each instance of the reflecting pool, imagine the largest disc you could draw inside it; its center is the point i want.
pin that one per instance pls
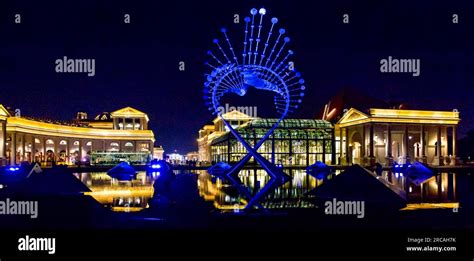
(439, 191)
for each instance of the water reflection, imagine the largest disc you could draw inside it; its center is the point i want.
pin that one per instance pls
(119, 195)
(134, 195)
(440, 188)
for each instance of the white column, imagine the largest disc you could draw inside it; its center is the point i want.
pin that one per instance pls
(13, 149)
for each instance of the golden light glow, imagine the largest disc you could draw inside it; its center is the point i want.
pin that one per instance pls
(415, 114)
(4, 114)
(354, 117)
(49, 129)
(431, 206)
(126, 209)
(102, 125)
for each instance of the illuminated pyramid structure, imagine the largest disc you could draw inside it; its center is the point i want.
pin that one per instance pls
(264, 65)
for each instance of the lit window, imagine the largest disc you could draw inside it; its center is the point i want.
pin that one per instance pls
(63, 142)
(49, 142)
(128, 144)
(114, 144)
(89, 143)
(37, 140)
(76, 143)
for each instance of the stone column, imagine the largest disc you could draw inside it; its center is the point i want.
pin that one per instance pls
(423, 144)
(371, 144)
(133, 123)
(333, 148)
(80, 150)
(56, 149)
(44, 149)
(33, 149)
(389, 146)
(4, 136)
(438, 160)
(23, 152)
(406, 145)
(68, 151)
(347, 147)
(13, 149)
(340, 147)
(455, 153)
(363, 149)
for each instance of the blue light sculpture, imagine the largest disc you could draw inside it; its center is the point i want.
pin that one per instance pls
(264, 65)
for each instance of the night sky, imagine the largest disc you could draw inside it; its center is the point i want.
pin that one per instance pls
(137, 63)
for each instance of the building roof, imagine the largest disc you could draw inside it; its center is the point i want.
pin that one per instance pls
(234, 115)
(22, 124)
(285, 125)
(129, 112)
(4, 113)
(354, 117)
(289, 124)
(348, 98)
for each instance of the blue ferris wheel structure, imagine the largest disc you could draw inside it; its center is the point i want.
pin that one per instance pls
(264, 65)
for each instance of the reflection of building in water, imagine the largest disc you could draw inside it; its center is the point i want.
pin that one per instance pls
(290, 195)
(437, 192)
(440, 188)
(107, 139)
(119, 195)
(296, 142)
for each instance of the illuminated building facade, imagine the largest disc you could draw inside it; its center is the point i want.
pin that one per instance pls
(204, 151)
(397, 135)
(215, 129)
(296, 142)
(383, 136)
(107, 139)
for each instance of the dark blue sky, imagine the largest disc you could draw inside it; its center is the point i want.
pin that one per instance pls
(137, 63)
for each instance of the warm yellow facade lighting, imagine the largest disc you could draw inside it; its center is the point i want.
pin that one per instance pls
(42, 128)
(355, 117)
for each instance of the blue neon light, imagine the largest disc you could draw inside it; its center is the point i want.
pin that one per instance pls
(156, 166)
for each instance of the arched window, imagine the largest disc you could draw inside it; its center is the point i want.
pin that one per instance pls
(49, 141)
(76, 143)
(128, 144)
(63, 142)
(89, 143)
